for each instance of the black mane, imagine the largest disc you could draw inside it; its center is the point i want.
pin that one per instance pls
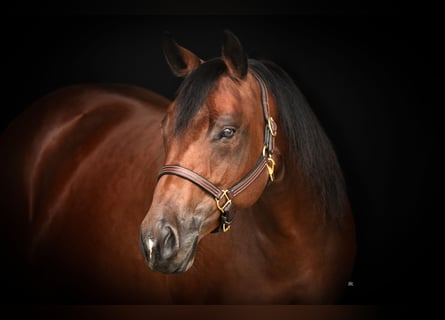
(309, 146)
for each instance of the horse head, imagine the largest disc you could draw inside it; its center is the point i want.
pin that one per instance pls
(219, 137)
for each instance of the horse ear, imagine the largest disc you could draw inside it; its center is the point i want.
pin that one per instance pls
(234, 56)
(180, 60)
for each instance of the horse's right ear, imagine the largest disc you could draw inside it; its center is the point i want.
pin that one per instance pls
(180, 60)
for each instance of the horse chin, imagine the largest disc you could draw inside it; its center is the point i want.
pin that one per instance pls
(184, 266)
(188, 260)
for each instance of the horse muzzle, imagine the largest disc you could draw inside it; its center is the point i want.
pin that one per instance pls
(166, 251)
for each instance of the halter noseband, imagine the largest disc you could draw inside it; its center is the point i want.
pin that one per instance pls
(223, 197)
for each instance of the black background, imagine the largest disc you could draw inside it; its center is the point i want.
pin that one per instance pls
(370, 75)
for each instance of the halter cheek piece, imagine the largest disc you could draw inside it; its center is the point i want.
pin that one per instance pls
(223, 197)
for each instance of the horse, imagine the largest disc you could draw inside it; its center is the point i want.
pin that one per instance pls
(231, 193)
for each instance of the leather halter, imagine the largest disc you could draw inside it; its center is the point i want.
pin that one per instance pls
(223, 197)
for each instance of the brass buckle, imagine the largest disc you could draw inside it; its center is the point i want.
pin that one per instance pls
(228, 201)
(222, 208)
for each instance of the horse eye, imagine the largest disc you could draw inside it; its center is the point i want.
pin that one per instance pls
(227, 133)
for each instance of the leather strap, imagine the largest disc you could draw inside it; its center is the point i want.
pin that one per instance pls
(208, 186)
(192, 177)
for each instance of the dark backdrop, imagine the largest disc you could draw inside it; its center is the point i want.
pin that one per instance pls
(369, 78)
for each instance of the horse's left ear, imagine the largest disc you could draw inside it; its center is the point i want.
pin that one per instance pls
(234, 56)
(181, 61)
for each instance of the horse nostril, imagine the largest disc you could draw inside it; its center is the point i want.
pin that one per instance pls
(159, 248)
(170, 242)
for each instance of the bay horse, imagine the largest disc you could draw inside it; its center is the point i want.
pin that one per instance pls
(229, 194)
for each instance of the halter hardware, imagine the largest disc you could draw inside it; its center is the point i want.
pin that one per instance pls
(270, 165)
(226, 204)
(225, 209)
(265, 161)
(272, 126)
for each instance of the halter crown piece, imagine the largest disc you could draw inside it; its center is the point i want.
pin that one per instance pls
(223, 197)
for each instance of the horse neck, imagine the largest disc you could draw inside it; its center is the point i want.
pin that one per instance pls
(287, 206)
